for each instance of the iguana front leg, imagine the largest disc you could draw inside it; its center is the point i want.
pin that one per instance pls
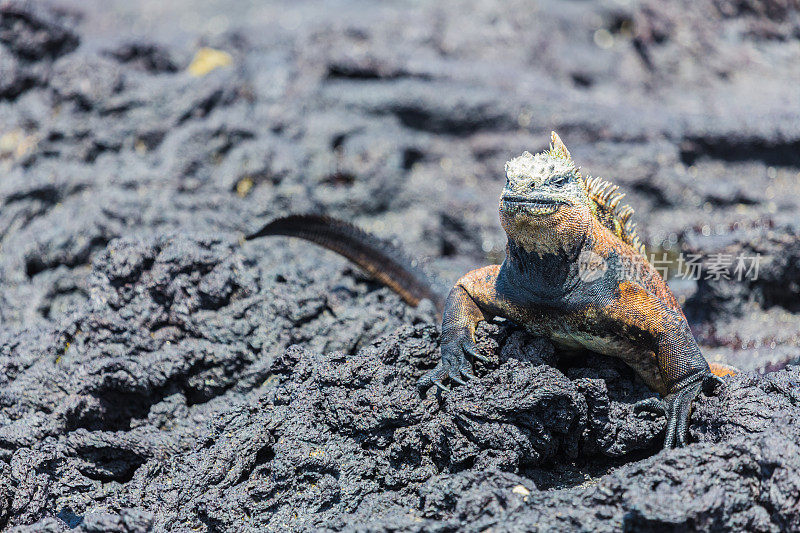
(683, 369)
(685, 372)
(472, 299)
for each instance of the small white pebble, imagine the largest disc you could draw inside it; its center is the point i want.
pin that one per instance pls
(522, 491)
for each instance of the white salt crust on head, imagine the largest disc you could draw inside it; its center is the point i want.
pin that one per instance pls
(537, 167)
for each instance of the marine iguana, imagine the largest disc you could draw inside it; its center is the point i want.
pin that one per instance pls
(575, 272)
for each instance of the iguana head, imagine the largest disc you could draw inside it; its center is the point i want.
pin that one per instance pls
(545, 206)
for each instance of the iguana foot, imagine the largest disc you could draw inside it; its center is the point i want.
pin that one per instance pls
(454, 364)
(677, 407)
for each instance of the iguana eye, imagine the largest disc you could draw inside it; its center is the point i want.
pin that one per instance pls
(559, 181)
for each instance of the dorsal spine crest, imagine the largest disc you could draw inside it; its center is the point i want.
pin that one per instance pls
(606, 198)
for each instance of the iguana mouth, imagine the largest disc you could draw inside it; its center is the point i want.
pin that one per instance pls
(533, 206)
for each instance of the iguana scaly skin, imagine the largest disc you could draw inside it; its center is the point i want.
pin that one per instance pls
(575, 272)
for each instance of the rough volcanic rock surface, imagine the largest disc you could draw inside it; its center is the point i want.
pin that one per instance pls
(158, 374)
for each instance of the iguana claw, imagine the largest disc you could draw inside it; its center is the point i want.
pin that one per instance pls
(678, 406)
(454, 365)
(650, 405)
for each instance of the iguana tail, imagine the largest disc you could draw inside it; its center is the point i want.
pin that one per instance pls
(722, 370)
(379, 258)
